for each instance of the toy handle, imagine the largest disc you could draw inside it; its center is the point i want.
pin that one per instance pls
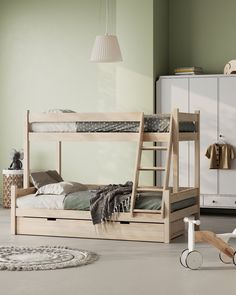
(191, 235)
(191, 220)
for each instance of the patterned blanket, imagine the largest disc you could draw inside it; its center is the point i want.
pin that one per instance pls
(109, 200)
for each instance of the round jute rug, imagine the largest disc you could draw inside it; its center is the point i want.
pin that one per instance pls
(43, 257)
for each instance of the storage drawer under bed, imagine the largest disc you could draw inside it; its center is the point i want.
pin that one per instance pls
(133, 231)
(85, 229)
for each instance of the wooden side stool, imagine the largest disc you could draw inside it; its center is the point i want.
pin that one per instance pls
(10, 177)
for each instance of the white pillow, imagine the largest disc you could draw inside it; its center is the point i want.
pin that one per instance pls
(61, 188)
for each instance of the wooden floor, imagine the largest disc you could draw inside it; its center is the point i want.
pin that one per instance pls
(128, 268)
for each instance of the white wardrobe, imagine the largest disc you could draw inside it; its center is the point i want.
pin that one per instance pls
(215, 97)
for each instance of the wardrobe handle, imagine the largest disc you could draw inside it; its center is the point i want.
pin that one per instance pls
(215, 201)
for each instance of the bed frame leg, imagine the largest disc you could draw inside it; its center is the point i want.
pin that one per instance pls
(166, 212)
(197, 166)
(26, 163)
(13, 209)
(59, 157)
(167, 232)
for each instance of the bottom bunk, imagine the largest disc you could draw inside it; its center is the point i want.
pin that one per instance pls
(144, 225)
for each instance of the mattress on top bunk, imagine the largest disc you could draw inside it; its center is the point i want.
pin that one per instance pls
(53, 127)
(152, 123)
(81, 201)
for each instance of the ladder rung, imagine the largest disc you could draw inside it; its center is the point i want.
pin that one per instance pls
(152, 169)
(146, 211)
(149, 189)
(154, 148)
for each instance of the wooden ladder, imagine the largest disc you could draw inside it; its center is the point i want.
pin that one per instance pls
(166, 168)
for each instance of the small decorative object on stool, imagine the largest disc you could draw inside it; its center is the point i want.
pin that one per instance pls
(12, 176)
(16, 157)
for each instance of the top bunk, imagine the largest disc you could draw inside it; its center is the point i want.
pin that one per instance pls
(110, 126)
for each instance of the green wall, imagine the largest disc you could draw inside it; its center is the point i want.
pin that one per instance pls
(160, 37)
(160, 43)
(135, 74)
(44, 63)
(202, 33)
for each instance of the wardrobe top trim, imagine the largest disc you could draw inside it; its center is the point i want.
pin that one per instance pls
(197, 76)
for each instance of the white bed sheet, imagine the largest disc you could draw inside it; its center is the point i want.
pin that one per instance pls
(41, 202)
(53, 127)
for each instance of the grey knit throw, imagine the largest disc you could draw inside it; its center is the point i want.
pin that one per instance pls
(108, 200)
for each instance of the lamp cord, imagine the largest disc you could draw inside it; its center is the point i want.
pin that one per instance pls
(107, 11)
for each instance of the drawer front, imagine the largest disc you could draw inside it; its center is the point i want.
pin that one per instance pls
(177, 228)
(220, 201)
(85, 229)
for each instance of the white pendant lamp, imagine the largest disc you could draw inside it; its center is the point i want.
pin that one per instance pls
(106, 47)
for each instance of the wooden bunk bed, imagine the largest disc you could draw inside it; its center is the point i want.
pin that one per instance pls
(141, 225)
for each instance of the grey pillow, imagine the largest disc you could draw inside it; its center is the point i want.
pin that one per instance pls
(45, 177)
(61, 188)
(54, 174)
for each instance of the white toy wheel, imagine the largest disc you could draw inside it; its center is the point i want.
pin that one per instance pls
(183, 257)
(234, 258)
(194, 260)
(226, 259)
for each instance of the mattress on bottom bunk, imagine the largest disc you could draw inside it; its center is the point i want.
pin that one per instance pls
(41, 202)
(152, 123)
(81, 201)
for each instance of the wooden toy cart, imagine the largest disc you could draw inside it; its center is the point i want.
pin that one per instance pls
(193, 259)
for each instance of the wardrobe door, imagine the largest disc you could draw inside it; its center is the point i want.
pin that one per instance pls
(227, 128)
(174, 94)
(203, 97)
